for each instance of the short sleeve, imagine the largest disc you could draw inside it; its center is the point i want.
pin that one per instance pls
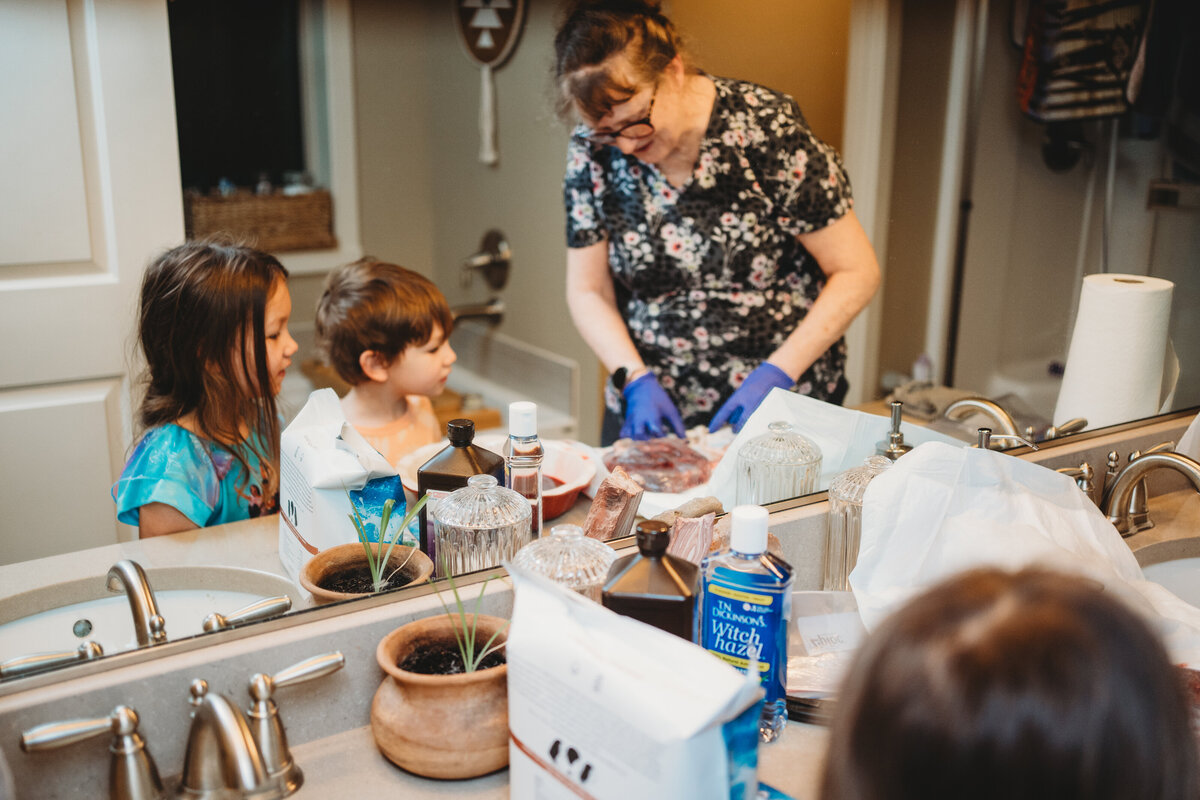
(583, 185)
(804, 174)
(171, 466)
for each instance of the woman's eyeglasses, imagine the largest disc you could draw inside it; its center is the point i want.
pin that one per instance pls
(637, 129)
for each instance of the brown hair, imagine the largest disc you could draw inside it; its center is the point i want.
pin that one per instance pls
(592, 32)
(199, 303)
(999, 686)
(373, 305)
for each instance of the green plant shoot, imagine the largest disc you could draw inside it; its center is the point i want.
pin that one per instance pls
(377, 557)
(464, 631)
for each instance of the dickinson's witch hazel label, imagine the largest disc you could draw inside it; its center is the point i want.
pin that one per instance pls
(745, 607)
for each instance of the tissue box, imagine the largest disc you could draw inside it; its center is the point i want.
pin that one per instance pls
(325, 466)
(603, 706)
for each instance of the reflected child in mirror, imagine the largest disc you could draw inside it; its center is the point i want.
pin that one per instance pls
(386, 331)
(213, 328)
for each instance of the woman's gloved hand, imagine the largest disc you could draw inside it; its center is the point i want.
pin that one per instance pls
(646, 408)
(738, 408)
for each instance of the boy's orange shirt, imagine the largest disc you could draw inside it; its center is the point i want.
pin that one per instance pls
(417, 427)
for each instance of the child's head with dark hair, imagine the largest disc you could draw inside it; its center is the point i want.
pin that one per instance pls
(212, 325)
(370, 315)
(1006, 686)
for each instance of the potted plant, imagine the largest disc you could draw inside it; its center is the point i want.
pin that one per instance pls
(365, 567)
(442, 709)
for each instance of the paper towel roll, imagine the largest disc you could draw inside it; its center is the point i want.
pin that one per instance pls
(1119, 348)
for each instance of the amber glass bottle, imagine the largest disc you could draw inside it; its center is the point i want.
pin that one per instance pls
(449, 469)
(654, 587)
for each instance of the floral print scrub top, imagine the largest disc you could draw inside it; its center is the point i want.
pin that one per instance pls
(710, 278)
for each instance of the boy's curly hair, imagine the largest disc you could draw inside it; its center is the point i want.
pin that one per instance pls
(373, 305)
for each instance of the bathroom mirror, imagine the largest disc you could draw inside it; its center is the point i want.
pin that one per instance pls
(421, 198)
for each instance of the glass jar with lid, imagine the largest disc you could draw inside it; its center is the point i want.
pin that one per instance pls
(844, 533)
(777, 465)
(569, 558)
(479, 526)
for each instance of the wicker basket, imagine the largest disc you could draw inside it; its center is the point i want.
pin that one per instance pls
(272, 222)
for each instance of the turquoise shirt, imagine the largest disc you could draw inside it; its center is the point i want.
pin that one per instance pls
(198, 477)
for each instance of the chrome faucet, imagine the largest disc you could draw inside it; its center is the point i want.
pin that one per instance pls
(222, 759)
(1002, 420)
(1117, 494)
(148, 624)
(491, 312)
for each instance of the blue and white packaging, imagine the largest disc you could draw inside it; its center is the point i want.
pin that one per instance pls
(324, 466)
(603, 706)
(745, 608)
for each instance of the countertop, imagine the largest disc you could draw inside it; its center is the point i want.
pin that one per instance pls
(792, 764)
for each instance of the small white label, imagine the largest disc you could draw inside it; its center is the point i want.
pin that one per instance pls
(830, 633)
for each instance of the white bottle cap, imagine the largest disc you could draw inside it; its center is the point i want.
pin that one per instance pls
(522, 418)
(749, 532)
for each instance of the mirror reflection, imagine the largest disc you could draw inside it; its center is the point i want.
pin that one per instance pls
(394, 138)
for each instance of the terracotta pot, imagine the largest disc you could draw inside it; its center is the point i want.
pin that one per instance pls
(440, 726)
(329, 561)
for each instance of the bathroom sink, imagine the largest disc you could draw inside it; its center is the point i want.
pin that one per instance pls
(1169, 553)
(60, 616)
(1180, 576)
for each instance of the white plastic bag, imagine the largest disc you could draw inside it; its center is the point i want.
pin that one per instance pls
(941, 510)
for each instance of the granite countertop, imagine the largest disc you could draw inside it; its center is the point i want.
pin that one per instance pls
(791, 764)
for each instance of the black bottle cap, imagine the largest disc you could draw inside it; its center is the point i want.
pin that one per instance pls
(653, 537)
(460, 432)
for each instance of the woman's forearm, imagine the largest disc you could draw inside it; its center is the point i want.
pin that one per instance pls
(593, 306)
(843, 297)
(600, 324)
(845, 255)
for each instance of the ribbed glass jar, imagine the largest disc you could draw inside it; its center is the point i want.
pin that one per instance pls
(844, 533)
(478, 526)
(569, 558)
(777, 465)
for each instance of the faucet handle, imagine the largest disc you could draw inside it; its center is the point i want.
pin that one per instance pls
(133, 774)
(36, 662)
(1083, 475)
(261, 609)
(267, 727)
(1073, 425)
(306, 670)
(986, 437)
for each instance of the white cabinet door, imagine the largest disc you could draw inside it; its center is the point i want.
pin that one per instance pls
(89, 192)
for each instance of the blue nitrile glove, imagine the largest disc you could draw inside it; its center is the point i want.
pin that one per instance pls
(646, 408)
(738, 408)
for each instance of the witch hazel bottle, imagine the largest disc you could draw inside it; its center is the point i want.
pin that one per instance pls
(745, 605)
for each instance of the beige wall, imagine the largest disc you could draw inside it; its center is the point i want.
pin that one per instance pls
(796, 46)
(924, 72)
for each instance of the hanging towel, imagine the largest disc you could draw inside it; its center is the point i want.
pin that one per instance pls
(1077, 59)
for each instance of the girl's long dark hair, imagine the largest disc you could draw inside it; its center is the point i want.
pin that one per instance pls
(201, 304)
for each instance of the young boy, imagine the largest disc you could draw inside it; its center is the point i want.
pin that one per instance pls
(386, 329)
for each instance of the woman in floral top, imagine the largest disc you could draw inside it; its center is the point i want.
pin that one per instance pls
(713, 251)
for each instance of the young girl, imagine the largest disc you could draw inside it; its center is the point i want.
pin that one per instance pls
(213, 328)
